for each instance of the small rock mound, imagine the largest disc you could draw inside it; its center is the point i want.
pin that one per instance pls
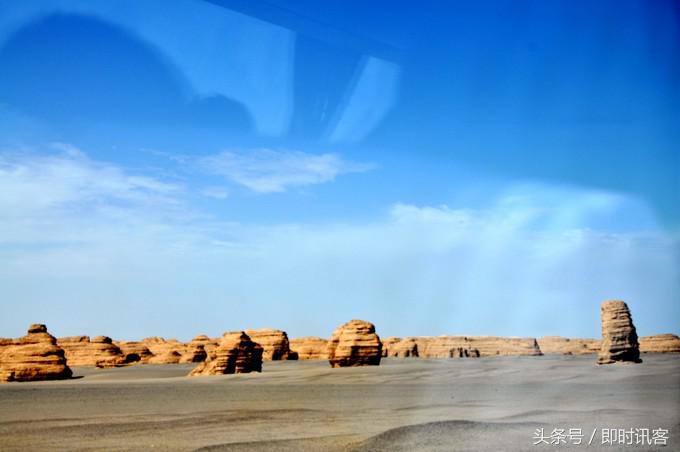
(99, 352)
(660, 343)
(354, 343)
(195, 350)
(619, 338)
(236, 354)
(165, 351)
(134, 352)
(310, 347)
(274, 343)
(33, 357)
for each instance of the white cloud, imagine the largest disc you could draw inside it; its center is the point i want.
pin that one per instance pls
(215, 192)
(268, 171)
(86, 237)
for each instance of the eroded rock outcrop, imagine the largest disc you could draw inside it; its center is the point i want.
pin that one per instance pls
(33, 357)
(619, 338)
(475, 346)
(195, 350)
(134, 352)
(396, 347)
(557, 345)
(236, 353)
(354, 343)
(274, 343)
(660, 343)
(309, 347)
(165, 351)
(100, 351)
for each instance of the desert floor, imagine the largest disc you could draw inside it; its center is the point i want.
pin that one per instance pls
(404, 404)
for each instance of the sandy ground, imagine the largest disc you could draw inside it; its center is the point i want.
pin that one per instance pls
(404, 404)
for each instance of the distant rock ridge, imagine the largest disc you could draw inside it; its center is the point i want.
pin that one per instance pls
(354, 343)
(396, 347)
(557, 345)
(460, 346)
(33, 357)
(134, 352)
(660, 343)
(236, 353)
(100, 351)
(165, 351)
(619, 338)
(275, 344)
(309, 347)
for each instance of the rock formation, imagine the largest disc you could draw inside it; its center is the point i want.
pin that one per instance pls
(556, 345)
(33, 357)
(619, 338)
(396, 347)
(660, 343)
(309, 347)
(134, 352)
(165, 351)
(475, 346)
(236, 354)
(274, 343)
(195, 350)
(99, 352)
(354, 343)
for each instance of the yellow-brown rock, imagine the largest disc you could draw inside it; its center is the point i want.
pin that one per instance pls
(309, 347)
(33, 357)
(354, 343)
(237, 353)
(134, 352)
(195, 350)
(274, 343)
(396, 347)
(660, 343)
(99, 351)
(619, 338)
(557, 345)
(475, 346)
(165, 351)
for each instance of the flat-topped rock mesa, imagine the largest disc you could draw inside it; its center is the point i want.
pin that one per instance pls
(475, 346)
(354, 343)
(309, 347)
(660, 343)
(236, 354)
(165, 351)
(619, 338)
(274, 343)
(134, 351)
(195, 350)
(33, 357)
(445, 347)
(557, 345)
(100, 351)
(396, 347)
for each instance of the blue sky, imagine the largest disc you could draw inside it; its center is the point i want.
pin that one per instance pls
(439, 168)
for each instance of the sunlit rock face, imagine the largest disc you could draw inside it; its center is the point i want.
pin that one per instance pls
(557, 345)
(660, 343)
(33, 357)
(619, 338)
(396, 347)
(354, 343)
(100, 351)
(165, 351)
(275, 344)
(309, 347)
(134, 352)
(236, 354)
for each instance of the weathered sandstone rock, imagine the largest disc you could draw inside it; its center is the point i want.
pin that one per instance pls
(354, 343)
(475, 346)
(274, 343)
(396, 347)
(165, 351)
(619, 338)
(33, 357)
(195, 350)
(660, 343)
(99, 352)
(556, 345)
(310, 347)
(134, 352)
(237, 353)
